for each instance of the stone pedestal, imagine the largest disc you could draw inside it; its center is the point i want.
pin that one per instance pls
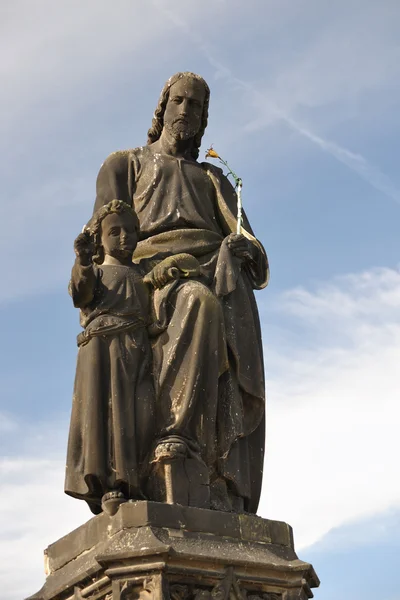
(154, 551)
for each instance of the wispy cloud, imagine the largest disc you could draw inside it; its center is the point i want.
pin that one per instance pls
(333, 404)
(355, 162)
(271, 103)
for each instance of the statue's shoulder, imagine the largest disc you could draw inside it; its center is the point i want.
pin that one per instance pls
(217, 171)
(221, 180)
(120, 161)
(122, 156)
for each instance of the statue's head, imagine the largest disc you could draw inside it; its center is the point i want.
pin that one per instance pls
(114, 230)
(182, 110)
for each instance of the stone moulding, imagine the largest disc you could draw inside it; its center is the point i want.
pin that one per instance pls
(150, 550)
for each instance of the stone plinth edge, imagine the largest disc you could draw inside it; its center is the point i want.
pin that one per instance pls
(148, 549)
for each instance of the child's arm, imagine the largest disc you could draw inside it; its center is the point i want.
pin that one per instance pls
(173, 267)
(83, 276)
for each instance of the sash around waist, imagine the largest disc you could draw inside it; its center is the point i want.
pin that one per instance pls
(196, 242)
(105, 325)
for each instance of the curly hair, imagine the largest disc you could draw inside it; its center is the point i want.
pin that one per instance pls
(94, 229)
(158, 119)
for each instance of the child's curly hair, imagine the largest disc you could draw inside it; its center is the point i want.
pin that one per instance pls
(94, 228)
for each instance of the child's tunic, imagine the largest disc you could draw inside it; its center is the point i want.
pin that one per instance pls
(113, 405)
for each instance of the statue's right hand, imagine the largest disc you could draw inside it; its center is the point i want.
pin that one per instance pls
(84, 248)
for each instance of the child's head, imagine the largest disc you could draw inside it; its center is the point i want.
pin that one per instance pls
(115, 230)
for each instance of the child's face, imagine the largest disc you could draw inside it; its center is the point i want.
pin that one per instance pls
(118, 235)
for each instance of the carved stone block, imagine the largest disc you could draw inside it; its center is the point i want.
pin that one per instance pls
(154, 551)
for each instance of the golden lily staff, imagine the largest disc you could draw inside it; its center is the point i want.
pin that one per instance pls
(211, 153)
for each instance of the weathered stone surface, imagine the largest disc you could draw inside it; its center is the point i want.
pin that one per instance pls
(169, 393)
(151, 550)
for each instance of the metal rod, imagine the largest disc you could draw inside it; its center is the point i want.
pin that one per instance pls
(239, 205)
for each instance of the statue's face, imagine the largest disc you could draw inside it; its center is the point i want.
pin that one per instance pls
(182, 117)
(118, 235)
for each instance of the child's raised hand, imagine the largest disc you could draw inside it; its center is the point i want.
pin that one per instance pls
(84, 248)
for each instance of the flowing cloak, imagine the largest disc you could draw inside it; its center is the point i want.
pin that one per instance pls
(113, 403)
(208, 352)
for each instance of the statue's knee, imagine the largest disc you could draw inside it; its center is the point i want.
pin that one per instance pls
(200, 296)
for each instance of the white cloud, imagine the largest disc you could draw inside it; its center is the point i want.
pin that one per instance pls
(377, 533)
(33, 513)
(333, 410)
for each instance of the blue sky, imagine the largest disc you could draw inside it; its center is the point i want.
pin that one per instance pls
(304, 106)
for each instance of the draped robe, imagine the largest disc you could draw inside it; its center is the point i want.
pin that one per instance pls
(207, 350)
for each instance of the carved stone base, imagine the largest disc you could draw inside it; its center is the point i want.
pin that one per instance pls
(154, 551)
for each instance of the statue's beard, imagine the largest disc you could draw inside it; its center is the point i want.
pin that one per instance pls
(181, 130)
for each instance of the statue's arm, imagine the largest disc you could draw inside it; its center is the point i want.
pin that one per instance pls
(83, 280)
(116, 179)
(256, 263)
(82, 284)
(257, 266)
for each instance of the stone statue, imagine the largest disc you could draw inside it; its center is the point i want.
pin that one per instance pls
(168, 407)
(196, 428)
(108, 441)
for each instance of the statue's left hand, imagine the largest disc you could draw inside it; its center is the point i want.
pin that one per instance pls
(240, 246)
(173, 267)
(161, 274)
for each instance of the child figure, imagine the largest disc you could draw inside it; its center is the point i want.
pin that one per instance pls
(112, 422)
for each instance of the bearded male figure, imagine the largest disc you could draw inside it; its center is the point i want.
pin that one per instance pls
(207, 350)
